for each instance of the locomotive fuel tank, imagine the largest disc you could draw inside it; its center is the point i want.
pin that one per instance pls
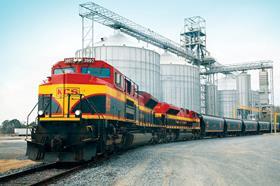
(139, 139)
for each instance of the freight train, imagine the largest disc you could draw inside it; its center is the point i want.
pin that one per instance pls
(88, 108)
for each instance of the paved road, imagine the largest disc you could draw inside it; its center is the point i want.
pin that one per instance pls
(251, 160)
(12, 147)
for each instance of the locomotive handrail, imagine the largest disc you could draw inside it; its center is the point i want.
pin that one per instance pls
(32, 110)
(27, 119)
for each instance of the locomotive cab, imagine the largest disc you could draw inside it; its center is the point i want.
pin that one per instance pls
(69, 84)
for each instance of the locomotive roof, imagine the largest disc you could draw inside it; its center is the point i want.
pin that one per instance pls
(81, 61)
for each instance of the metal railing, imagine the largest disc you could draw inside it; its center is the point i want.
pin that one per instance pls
(27, 119)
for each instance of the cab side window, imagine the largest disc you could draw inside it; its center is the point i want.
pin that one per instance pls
(128, 86)
(118, 79)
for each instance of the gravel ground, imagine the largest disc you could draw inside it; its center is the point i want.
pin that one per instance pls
(250, 160)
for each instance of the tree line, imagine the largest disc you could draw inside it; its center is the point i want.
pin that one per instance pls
(8, 126)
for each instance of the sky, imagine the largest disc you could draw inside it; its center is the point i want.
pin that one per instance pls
(35, 34)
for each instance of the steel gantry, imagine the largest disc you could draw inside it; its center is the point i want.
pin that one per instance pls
(226, 69)
(108, 18)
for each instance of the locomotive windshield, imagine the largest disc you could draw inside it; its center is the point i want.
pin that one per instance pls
(64, 70)
(97, 72)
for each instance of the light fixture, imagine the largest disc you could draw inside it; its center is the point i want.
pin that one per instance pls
(41, 113)
(78, 113)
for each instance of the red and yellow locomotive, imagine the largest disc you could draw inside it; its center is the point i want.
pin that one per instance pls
(87, 107)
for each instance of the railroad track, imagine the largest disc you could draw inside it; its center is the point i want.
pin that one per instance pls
(43, 174)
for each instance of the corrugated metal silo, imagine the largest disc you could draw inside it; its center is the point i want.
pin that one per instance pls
(211, 99)
(138, 63)
(227, 83)
(180, 82)
(227, 96)
(227, 100)
(243, 84)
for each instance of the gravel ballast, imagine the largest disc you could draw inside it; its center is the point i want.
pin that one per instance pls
(250, 160)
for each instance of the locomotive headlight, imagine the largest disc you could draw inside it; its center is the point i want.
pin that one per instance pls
(78, 113)
(40, 113)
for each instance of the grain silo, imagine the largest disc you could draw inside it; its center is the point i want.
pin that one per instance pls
(136, 62)
(227, 96)
(228, 82)
(180, 82)
(227, 100)
(243, 85)
(211, 99)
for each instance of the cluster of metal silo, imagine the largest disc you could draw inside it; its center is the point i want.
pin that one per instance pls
(138, 63)
(170, 79)
(180, 82)
(235, 97)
